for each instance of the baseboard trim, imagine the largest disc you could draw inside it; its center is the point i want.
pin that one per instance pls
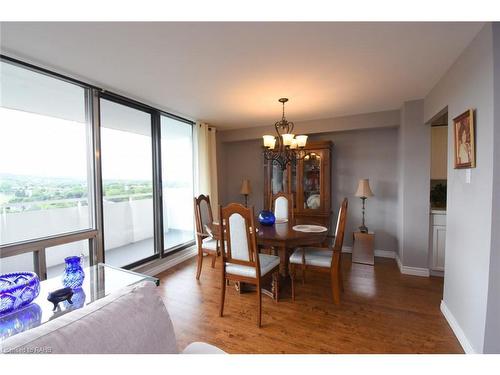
(378, 253)
(169, 262)
(400, 265)
(414, 271)
(457, 330)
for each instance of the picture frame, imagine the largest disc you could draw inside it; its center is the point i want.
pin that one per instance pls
(464, 139)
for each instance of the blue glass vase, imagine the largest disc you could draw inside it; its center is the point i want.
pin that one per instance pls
(266, 218)
(73, 273)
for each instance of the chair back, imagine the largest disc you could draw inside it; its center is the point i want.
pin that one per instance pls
(203, 215)
(340, 229)
(238, 242)
(282, 206)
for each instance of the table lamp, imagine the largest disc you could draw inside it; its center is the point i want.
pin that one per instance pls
(364, 192)
(245, 190)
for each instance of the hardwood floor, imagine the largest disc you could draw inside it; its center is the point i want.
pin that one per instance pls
(382, 311)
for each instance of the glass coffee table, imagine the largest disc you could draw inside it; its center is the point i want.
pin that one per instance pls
(100, 281)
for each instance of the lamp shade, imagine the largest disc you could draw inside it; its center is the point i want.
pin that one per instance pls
(287, 139)
(301, 140)
(269, 141)
(245, 187)
(364, 188)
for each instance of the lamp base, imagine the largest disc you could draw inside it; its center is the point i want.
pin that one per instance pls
(363, 229)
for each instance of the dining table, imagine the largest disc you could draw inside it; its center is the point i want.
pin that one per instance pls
(282, 238)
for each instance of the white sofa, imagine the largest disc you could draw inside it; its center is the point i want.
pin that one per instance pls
(134, 320)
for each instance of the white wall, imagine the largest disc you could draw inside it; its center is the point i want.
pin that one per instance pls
(492, 330)
(370, 153)
(361, 121)
(414, 186)
(468, 84)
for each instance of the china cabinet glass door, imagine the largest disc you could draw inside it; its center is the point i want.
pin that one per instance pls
(311, 181)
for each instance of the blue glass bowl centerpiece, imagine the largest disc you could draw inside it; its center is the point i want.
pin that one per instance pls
(73, 273)
(266, 218)
(18, 290)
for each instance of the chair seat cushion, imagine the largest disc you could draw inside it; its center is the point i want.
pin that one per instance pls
(314, 256)
(267, 263)
(209, 244)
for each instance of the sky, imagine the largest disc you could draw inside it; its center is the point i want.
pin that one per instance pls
(39, 145)
(32, 144)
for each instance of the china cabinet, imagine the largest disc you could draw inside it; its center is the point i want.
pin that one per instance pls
(309, 180)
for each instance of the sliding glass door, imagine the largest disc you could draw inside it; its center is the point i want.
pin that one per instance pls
(177, 182)
(127, 181)
(88, 172)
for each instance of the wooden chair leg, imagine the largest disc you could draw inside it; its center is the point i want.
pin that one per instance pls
(259, 302)
(341, 281)
(292, 277)
(213, 260)
(200, 263)
(337, 273)
(303, 266)
(335, 288)
(276, 286)
(222, 295)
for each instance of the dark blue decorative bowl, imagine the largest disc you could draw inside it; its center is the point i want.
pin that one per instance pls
(18, 290)
(266, 218)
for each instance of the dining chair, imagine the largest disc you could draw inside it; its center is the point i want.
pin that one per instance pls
(241, 261)
(206, 243)
(323, 259)
(282, 206)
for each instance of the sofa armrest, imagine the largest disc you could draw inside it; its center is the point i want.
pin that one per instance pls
(202, 348)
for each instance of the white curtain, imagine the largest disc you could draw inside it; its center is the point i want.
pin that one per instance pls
(205, 157)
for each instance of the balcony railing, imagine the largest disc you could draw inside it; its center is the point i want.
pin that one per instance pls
(128, 228)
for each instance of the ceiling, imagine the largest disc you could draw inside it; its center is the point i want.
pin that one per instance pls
(232, 74)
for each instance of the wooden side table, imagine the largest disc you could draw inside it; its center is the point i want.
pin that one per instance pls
(362, 249)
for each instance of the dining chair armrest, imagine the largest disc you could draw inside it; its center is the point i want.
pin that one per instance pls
(202, 235)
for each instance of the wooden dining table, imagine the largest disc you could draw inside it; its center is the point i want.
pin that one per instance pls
(283, 238)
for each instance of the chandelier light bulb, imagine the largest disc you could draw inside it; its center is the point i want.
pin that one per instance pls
(269, 141)
(287, 139)
(273, 144)
(301, 140)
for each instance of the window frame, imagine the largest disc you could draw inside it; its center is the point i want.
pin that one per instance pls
(95, 235)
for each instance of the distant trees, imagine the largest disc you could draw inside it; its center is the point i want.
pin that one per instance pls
(28, 193)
